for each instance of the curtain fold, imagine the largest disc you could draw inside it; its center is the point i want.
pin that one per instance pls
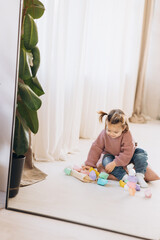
(137, 115)
(151, 98)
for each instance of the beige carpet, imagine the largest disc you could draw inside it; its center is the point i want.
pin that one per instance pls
(109, 207)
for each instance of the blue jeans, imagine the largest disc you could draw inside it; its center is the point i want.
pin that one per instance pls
(139, 160)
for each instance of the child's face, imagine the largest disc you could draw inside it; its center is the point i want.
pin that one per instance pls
(114, 130)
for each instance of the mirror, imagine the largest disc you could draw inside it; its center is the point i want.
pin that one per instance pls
(8, 75)
(81, 66)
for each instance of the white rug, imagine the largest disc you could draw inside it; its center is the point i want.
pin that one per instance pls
(109, 207)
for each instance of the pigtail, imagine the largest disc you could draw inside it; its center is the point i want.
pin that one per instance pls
(102, 114)
(114, 116)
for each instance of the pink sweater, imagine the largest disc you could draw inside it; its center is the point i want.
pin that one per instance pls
(121, 147)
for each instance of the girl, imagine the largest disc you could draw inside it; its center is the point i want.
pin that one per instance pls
(115, 148)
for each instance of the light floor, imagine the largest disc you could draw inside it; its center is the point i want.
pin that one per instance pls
(108, 207)
(21, 226)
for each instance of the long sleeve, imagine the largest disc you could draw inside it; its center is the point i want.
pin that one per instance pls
(96, 149)
(126, 151)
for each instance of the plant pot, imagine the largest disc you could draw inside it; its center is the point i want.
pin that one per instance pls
(16, 174)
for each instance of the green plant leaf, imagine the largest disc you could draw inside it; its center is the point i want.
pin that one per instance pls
(27, 3)
(36, 60)
(27, 74)
(36, 87)
(21, 138)
(24, 72)
(30, 32)
(35, 9)
(30, 116)
(22, 63)
(29, 97)
(29, 103)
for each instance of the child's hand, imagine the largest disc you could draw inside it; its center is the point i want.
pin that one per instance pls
(85, 167)
(110, 167)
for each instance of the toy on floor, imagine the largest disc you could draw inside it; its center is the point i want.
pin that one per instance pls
(132, 180)
(80, 169)
(121, 183)
(148, 193)
(68, 171)
(102, 180)
(77, 168)
(81, 176)
(103, 175)
(93, 169)
(92, 175)
(131, 183)
(100, 177)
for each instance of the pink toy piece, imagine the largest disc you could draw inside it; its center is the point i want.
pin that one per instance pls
(93, 175)
(148, 193)
(78, 169)
(131, 184)
(85, 172)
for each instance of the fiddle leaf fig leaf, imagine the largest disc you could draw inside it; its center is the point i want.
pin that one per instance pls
(30, 32)
(36, 9)
(27, 3)
(22, 63)
(29, 97)
(36, 87)
(36, 60)
(30, 117)
(24, 70)
(21, 138)
(27, 73)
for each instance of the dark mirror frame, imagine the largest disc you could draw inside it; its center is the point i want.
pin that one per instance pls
(14, 104)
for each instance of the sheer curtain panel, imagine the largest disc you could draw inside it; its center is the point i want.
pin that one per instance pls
(89, 62)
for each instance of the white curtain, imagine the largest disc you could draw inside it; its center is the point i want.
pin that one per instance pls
(89, 62)
(151, 99)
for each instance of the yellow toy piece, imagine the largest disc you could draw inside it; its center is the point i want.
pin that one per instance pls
(92, 169)
(121, 183)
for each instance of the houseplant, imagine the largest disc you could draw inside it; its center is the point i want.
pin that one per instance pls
(29, 90)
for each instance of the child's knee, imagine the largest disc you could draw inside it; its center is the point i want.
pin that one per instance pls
(140, 161)
(141, 152)
(106, 160)
(141, 155)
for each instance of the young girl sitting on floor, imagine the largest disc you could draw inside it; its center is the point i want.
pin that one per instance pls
(115, 148)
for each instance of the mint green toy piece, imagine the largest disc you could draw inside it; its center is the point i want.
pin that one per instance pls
(103, 175)
(67, 171)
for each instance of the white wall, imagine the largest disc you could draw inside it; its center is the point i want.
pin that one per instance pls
(9, 24)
